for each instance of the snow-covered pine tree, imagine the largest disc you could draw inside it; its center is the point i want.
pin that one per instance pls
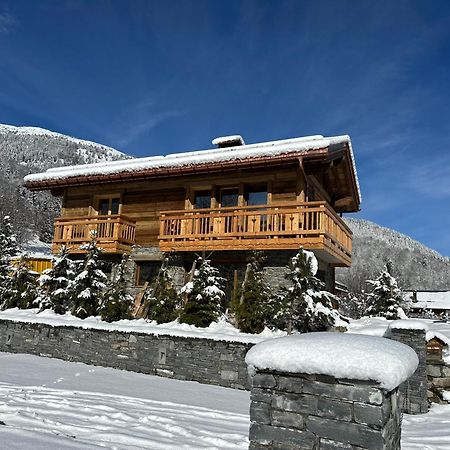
(23, 287)
(117, 301)
(204, 295)
(90, 283)
(303, 306)
(55, 284)
(161, 299)
(249, 307)
(8, 249)
(386, 298)
(354, 304)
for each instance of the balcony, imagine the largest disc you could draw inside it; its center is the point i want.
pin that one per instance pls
(115, 233)
(287, 226)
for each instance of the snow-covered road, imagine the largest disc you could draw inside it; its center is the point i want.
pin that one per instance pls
(51, 404)
(48, 404)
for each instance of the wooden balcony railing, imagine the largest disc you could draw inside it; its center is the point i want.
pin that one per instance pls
(115, 233)
(313, 225)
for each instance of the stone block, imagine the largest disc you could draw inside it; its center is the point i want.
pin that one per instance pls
(263, 380)
(260, 412)
(370, 414)
(266, 434)
(328, 444)
(289, 384)
(344, 392)
(346, 432)
(260, 395)
(441, 382)
(446, 371)
(334, 409)
(287, 419)
(305, 404)
(229, 375)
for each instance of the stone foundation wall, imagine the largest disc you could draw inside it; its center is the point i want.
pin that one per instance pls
(203, 360)
(300, 411)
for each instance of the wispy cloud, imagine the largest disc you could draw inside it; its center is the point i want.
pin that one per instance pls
(431, 178)
(8, 22)
(138, 119)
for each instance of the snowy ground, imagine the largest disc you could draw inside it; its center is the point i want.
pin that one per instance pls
(49, 404)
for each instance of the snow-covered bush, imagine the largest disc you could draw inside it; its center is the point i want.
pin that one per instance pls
(22, 287)
(161, 298)
(90, 283)
(249, 307)
(304, 305)
(55, 284)
(117, 302)
(386, 298)
(203, 295)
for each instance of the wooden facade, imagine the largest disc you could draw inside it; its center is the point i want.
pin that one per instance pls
(280, 202)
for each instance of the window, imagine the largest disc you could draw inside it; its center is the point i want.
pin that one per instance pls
(229, 197)
(202, 199)
(256, 195)
(146, 271)
(108, 206)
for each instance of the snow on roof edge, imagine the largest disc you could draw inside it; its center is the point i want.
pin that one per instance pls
(241, 152)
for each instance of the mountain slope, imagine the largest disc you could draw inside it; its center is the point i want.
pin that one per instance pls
(25, 150)
(416, 266)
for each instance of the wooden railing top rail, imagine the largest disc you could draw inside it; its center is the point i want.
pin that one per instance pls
(99, 218)
(292, 206)
(251, 207)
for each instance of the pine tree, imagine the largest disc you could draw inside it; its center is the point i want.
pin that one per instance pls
(161, 299)
(354, 304)
(249, 307)
(55, 284)
(386, 298)
(23, 287)
(117, 301)
(89, 284)
(204, 295)
(8, 249)
(304, 306)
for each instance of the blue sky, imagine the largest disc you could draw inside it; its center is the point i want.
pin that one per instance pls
(157, 77)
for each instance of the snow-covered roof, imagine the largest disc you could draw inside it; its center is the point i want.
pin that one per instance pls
(351, 356)
(179, 161)
(431, 300)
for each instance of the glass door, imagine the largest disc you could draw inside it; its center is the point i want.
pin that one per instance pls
(229, 197)
(255, 196)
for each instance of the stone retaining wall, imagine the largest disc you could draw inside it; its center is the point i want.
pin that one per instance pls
(184, 358)
(438, 380)
(414, 391)
(300, 411)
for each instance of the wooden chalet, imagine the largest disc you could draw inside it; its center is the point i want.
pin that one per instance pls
(272, 196)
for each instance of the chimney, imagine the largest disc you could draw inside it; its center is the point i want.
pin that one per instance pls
(228, 141)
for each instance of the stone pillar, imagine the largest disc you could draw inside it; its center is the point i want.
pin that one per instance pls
(413, 392)
(318, 410)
